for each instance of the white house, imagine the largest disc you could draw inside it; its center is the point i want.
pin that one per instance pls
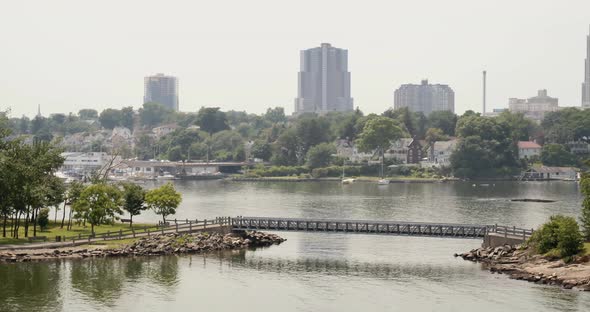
(164, 130)
(528, 149)
(441, 152)
(346, 149)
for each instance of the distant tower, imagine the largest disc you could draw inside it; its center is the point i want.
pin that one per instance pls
(484, 93)
(586, 84)
(324, 81)
(161, 89)
(38, 110)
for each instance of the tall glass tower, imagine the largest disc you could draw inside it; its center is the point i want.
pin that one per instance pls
(324, 81)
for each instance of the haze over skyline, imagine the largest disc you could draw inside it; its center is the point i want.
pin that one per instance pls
(68, 55)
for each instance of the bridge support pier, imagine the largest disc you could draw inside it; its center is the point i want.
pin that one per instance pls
(497, 239)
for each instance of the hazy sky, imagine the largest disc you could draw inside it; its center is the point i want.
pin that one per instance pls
(244, 55)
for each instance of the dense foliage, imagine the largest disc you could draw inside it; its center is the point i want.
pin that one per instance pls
(561, 234)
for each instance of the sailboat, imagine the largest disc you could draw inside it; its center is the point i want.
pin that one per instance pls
(344, 180)
(382, 181)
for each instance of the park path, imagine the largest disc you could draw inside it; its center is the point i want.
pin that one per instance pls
(181, 228)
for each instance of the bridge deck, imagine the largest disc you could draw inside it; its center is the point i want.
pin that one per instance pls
(475, 231)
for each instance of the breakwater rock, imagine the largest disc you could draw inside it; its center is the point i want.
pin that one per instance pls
(522, 263)
(165, 244)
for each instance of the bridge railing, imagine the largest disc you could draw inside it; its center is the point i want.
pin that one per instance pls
(511, 231)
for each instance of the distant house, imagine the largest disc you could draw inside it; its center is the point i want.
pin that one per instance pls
(405, 150)
(164, 130)
(550, 173)
(398, 150)
(528, 149)
(440, 153)
(415, 152)
(346, 149)
(578, 147)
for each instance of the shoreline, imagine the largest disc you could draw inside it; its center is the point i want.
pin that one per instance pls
(359, 180)
(523, 264)
(155, 245)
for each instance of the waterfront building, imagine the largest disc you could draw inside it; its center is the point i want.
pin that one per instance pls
(324, 81)
(535, 107)
(87, 163)
(425, 97)
(550, 173)
(528, 149)
(161, 89)
(586, 84)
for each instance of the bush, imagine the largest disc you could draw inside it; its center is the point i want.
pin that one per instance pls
(561, 233)
(43, 218)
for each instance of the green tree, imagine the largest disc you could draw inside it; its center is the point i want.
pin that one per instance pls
(43, 218)
(585, 217)
(378, 132)
(163, 200)
(275, 115)
(320, 155)
(153, 114)
(110, 118)
(133, 200)
(98, 204)
(127, 117)
(261, 150)
(73, 194)
(434, 135)
(557, 155)
(444, 120)
(212, 120)
(87, 113)
(561, 233)
(312, 130)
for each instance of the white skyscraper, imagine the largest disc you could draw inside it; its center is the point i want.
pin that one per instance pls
(586, 84)
(324, 81)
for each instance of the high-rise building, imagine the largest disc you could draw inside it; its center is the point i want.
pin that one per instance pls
(161, 89)
(425, 97)
(586, 84)
(535, 107)
(324, 81)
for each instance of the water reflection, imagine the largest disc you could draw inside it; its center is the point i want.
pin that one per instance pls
(27, 286)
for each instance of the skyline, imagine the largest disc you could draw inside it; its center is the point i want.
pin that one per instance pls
(70, 51)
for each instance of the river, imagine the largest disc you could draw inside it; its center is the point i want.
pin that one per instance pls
(314, 271)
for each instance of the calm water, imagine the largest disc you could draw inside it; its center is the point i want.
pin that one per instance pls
(313, 271)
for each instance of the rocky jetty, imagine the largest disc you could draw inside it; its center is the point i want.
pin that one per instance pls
(166, 244)
(521, 263)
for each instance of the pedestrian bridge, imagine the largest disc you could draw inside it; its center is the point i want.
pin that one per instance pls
(491, 234)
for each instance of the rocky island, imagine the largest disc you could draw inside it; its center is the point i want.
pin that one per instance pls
(523, 263)
(163, 244)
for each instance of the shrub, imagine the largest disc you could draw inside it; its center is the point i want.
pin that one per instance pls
(43, 218)
(561, 233)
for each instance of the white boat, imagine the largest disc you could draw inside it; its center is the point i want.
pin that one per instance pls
(347, 181)
(167, 176)
(383, 182)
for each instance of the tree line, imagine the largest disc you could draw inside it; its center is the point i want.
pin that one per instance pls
(308, 139)
(28, 187)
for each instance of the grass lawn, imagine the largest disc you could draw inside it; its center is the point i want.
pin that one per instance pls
(54, 230)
